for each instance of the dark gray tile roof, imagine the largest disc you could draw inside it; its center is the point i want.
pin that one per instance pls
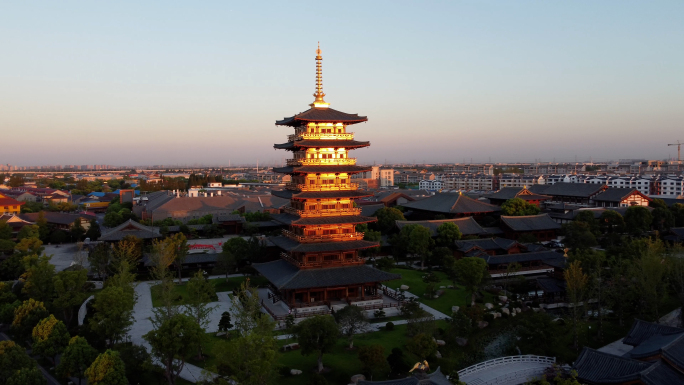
(368, 210)
(643, 330)
(321, 143)
(130, 227)
(579, 190)
(599, 368)
(660, 373)
(452, 203)
(55, 217)
(507, 193)
(284, 275)
(543, 256)
(468, 225)
(655, 345)
(534, 247)
(434, 378)
(486, 244)
(345, 219)
(530, 223)
(493, 230)
(614, 194)
(321, 169)
(551, 285)
(291, 245)
(321, 115)
(229, 218)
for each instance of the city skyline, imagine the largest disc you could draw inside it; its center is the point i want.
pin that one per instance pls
(442, 83)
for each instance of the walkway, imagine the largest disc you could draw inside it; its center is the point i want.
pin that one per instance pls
(512, 370)
(437, 314)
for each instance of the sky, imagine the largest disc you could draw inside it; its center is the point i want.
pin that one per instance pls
(202, 83)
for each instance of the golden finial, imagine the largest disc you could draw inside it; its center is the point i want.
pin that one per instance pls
(319, 102)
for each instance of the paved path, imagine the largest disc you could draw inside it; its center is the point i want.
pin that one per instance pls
(437, 314)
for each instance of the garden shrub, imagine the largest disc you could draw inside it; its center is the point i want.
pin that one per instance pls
(389, 326)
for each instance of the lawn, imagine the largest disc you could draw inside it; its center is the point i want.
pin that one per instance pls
(414, 280)
(344, 363)
(220, 285)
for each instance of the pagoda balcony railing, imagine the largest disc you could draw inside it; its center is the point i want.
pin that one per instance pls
(346, 262)
(322, 187)
(323, 136)
(355, 236)
(324, 213)
(323, 162)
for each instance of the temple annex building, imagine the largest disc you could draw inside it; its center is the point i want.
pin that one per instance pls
(320, 268)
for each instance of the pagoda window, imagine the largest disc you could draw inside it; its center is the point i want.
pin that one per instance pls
(329, 231)
(349, 256)
(328, 207)
(331, 257)
(312, 207)
(311, 232)
(311, 259)
(343, 181)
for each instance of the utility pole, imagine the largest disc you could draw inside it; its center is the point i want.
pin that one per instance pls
(679, 149)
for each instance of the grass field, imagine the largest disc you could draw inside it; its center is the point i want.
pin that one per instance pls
(220, 285)
(414, 280)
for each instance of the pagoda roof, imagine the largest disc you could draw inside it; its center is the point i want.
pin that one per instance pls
(604, 368)
(284, 275)
(467, 225)
(320, 169)
(530, 222)
(643, 330)
(321, 143)
(130, 227)
(289, 194)
(452, 203)
(289, 244)
(322, 115)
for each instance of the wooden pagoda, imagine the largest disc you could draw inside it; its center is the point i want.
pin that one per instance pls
(320, 261)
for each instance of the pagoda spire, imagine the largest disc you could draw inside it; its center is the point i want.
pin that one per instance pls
(319, 102)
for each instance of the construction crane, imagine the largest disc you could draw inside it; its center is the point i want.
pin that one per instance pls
(679, 149)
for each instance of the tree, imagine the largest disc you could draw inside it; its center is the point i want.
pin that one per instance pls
(317, 334)
(471, 272)
(225, 323)
(38, 277)
(50, 337)
(237, 247)
(675, 262)
(107, 369)
(678, 212)
(638, 220)
(519, 207)
(77, 231)
(113, 313)
(58, 236)
(181, 248)
(578, 235)
(12, 358)
(94, 231)
(137, 360)
(200, 293)
(663, 219)
(351, 320)
(69, 291)
(5, 231)
(576, 283)
(387, 219)
(373, 360)
(30, 231)
(77, 357)
(511, 271)
(249, 360)
(398, 366)
(225, 263)
(447, 234)
(113, 219)
(587, 217)
(650, 271)
(423, 346)
(385, 264)
(612, 222)
(596, 263)
(99, 259)
(163, 255)
(127, 251)
(248, 315)
(27, 376)
(420, 243)
(26, 317)
(173, 342)
(43, 228)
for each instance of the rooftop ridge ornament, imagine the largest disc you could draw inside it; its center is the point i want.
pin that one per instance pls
(319, 102)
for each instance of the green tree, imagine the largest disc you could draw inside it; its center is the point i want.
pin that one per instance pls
(173, 342)
(678, 212)
(225, 263)
(578, 235)
(650, 272)
(387, 219)
(77, 357)
(471, 272)
(519, 207)
(180, 244)
(225, 323)
(38, 277)
(237, 246)
(12, 358)
(27, 376)
(100, 258)
(58, 236)
(423, 346)
(317, 334)
(43, 227)
(385, 264)
(612, 222)
(5, 231)
(447, 234)
(373, 360)
(70, 291)
(576, 284)
(658, 203)
(77, 231)
(638, 220)
(29, 231)
(249, 360)
(200, 293)
(420, 243)
(26, 317)
(663, 219)
(93, 231)
(587, 217)
(398, 366)
(107, 369)
(50, 338)
(351, 320)
(113, 315)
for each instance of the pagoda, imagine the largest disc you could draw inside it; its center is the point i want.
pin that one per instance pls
(320, 265)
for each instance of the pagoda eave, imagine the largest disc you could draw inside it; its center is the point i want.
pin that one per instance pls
(320, 169)
(297, 194)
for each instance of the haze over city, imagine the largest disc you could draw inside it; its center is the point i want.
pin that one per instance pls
(190, 83)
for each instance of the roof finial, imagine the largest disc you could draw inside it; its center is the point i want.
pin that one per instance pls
(319, 102)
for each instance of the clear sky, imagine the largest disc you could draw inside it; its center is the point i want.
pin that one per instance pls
(170, 82)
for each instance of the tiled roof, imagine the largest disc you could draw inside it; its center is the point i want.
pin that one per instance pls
(655, 345)
(603, 368)
(320, 169)
(288, 244)
(284, 275)
(452, 203)
(530, 222)
(523, 257)
(369, 210)
(289, 194)
(394, 196)
(327, 115)
(579, 190)
(130, 227)
(551, 285)
(321, 143)
(614, 194)
(56, 217)
(507, 193)
(643, 330)
(468, 225)
(486, 244)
